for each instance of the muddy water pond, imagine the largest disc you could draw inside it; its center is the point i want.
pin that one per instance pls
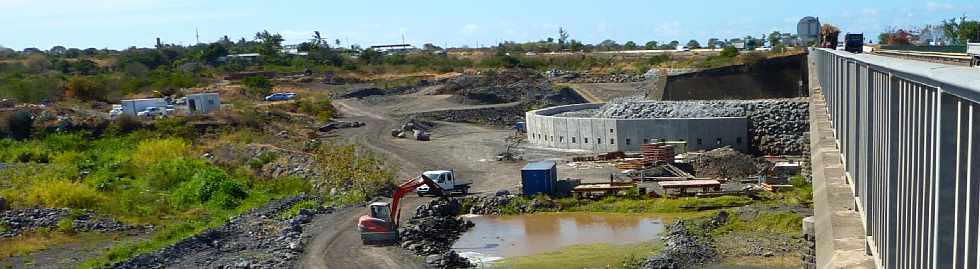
(497, 237)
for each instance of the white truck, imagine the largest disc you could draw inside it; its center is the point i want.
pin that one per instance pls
(134, 106)
(973, 49)
(446, 179)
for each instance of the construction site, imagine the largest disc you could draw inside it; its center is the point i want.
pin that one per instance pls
(496, 168)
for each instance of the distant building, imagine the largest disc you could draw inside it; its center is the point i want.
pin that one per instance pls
(242, 56)
(809, 30)
(203, 103)
(394, 48)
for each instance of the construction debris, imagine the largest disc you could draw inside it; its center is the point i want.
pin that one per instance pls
(727, 163)
(413, 128)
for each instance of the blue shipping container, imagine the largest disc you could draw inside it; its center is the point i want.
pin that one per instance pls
(539, 177)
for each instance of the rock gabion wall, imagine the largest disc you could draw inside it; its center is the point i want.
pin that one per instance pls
(777, 126)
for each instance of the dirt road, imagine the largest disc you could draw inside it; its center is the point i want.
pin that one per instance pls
(467, 149)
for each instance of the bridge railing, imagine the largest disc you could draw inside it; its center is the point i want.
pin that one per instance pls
(908, 133)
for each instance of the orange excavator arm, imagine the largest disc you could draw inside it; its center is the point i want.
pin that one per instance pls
(407, 187)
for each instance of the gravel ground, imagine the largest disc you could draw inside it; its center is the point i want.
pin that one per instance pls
(252, 240)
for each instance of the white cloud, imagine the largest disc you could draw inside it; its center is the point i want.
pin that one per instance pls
(469, 29)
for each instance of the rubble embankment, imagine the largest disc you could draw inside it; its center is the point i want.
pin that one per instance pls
(257, 239)
(777, 126)
(19, 221)
(432, 232)
(684, 248)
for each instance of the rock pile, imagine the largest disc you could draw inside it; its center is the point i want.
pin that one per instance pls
(259, 231)
(333, 125)
(18, 221)
(685, 249)
(432, 232)
(777, 126)
(363, 92)
(499, 116)
(492, 205)
(575, 77)
(727, 163)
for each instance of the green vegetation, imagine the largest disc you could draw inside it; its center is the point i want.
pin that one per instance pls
(787, 223)
(257, 86)
(584, 256)
(294, 210)
(681, 207)
(155, 177)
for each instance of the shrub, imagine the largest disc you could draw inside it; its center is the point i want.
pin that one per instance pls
(20, 124)
(728, 52)
(156, 150)
(124, 124)
(209, 185)
(257, 86)
(66, 225)
(323, 108)
(659, 59)
(60, 193)
(166, 174)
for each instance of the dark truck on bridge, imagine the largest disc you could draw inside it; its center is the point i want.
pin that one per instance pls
(854, 43)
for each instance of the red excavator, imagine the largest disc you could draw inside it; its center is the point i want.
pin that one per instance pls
(381, 225)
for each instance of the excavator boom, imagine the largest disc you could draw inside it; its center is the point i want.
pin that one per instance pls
(407, 187)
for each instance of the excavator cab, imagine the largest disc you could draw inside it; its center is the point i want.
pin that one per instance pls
(377, 227)
(380, 210)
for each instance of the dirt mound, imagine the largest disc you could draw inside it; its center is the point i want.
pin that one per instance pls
(727, 163)
(432, 232)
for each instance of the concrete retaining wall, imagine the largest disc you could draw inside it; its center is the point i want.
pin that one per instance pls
(607, 135)
(780, 77)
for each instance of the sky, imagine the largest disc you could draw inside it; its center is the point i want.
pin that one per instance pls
(118, 24)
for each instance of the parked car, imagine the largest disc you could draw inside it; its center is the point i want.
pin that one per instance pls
(152, 112)
(115, 111)
(280, 96)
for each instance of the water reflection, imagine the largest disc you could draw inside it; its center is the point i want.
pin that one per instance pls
(507, 236)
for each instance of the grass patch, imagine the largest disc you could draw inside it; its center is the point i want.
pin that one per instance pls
(652, 205)
(786, 223)
(33, 242)
(582, 256)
